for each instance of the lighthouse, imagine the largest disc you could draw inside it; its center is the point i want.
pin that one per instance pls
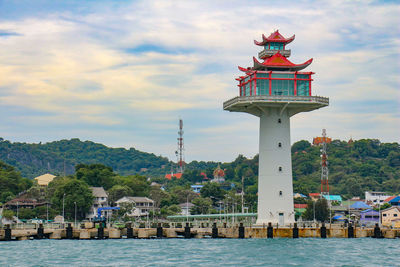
(274, 90)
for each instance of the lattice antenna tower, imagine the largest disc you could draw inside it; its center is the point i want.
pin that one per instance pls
(324, 167)
(179, 152)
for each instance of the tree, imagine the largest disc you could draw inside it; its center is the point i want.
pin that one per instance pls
(201, 205)
(138, 184)
(321, 210)
(75, 191)
(11, 182)
(97, 175)
(8, 214)
(117, 192)
(212, 190)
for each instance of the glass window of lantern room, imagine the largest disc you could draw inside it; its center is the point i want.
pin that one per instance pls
(262, 86)
(302, 88)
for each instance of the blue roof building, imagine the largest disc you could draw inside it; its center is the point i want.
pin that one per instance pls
(196, 187)
(333, 198)
(395, 201)
(359, 205)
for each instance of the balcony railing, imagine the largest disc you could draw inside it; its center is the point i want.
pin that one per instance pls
(269, 52)
(277, 98)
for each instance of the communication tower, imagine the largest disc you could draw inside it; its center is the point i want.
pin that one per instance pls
(274, 90)
(324, 167)
(179, 153)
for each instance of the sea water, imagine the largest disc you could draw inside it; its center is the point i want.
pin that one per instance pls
(202, 252)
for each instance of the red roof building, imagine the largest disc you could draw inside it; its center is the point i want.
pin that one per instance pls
(174, 175)
(388, 199)
(300, 206)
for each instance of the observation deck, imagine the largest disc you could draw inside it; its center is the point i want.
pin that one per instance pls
(257, 104)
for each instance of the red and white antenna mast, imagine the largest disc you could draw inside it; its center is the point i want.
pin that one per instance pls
(324, 167)
(179, 152)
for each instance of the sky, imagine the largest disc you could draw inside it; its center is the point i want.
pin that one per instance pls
(122, 73)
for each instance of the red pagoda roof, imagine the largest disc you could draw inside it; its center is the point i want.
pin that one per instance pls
(277, 61)
(274, 37)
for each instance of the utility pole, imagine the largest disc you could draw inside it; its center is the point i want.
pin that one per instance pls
(242, 194)
(63, 207)
(75, 213)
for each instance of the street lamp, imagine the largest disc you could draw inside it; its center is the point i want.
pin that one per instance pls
(75, 213)
(314, 210)
(17, 211)
(63, 206)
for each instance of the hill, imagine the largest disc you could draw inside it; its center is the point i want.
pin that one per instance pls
(59, 156)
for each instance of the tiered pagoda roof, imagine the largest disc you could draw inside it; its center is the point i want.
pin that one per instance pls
(274, 37)
(277, 59)
(276, 62)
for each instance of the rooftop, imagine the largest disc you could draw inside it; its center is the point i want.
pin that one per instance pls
(45, 179)
(98, 192)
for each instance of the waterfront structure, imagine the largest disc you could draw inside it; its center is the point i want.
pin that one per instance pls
(275, 90)
(390, 215)
(45, 179)
(100, 200)
(141, 206)
(375, 197)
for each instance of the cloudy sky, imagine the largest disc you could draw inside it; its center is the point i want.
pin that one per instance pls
(123, 72)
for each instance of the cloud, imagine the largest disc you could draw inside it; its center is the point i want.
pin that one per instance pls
(123, 73)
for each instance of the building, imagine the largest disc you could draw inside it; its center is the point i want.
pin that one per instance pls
(375, 198)
(369, 217)
(141, 206)
(390, 215)
(18, 203)
(299, 195)
(317, 141)
(100, 200)
(395, 201)
(196, 188)
(275, 90)
(45, 179)
(219, 175)
(314, 196)
(185, 207)
(173, 175)
(332, 198)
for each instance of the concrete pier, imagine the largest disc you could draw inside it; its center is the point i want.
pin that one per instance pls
(238, 231)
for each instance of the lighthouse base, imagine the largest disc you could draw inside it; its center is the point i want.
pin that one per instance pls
(275, 187)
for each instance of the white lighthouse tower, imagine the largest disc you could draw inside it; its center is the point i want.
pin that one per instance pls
(274, 90)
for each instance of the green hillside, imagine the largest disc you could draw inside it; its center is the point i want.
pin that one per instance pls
(59, 156)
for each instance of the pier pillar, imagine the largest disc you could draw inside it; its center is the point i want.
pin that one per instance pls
(69, 232)
(241, 231)
(159, 231)
(129, 230)
(350, 231)
(100, 231)
(323, 230)
(377, 231)
(40, 232)
(214, 233)
(7, 233)
(295, 231)
(187, 231)
(270, 231)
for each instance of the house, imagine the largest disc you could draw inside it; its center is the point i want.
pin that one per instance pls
(45, 179)
(173, 175)
(388, 199)
(100, 200)
(197, 188)
(141, 205)
(314, 196)
(299, 195)
(390, 215)
(359, 205)
(331, 198)
(185, 207)
(395, 201)
(18, 203)
(369, 217)
(374, 198)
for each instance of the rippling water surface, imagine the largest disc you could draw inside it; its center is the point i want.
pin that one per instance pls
(202, 252)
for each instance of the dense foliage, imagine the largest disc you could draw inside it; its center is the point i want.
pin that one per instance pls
(11, 182)
(60, 157)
